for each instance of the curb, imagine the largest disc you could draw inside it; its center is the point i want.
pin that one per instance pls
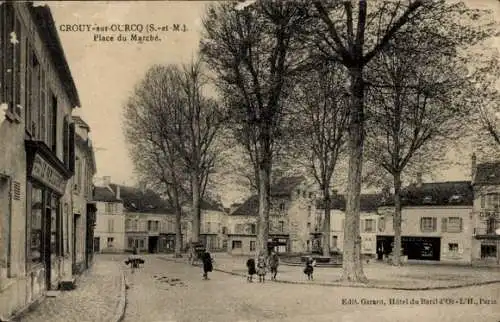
(122, 304)
(426, 288)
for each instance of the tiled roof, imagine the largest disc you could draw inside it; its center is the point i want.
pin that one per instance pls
(104, 194)
(456, 193)
(487, 174)
(135, 200)
(285, 186)
(211, 205)
(368, 202)
(249, 208)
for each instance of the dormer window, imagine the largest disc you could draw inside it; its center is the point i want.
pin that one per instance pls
(427, 200)
(456, 198)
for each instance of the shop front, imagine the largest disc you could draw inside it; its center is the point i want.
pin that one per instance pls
(46, 184)
(278, 243)
(415, 247)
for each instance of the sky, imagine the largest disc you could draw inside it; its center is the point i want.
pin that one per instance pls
(105, 72)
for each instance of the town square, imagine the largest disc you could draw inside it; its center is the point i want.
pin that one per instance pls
(255, 160)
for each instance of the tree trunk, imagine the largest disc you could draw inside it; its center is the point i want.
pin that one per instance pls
(396, 251)
(352, 264)
(196, 220)
(264, 205)
(178, 233)
(326, 223)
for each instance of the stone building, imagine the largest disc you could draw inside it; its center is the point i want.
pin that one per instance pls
(292, 210)
(37, 97)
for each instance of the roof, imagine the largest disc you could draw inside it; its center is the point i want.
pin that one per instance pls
(249, 208)
(286, 185)
(77, 119)
(368, 202)
(45, 23)
(207, 204)
(104, 194)
(487, 174)
(135, 200)
(449, 193)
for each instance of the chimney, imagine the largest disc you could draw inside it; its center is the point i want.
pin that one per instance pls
(473, 166)
(106, 180)
(419, 179)
(118, 192)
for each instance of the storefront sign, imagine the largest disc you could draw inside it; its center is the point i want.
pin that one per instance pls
(46, 174)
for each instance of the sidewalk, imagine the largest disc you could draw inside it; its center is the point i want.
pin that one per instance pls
(99, 296)
(380, 275)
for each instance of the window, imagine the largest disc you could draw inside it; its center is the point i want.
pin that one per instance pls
(369, 225)
(128, 224)
(252, 245)
(131, 243)
(282, 226)
(236, 244)
(141, 244)
(110, 242)
(42, 108)
(209, 227)
(53, 124)
(11, 63)
(282, 206)
(224, 230)
(452, 225)
(36, 225)
(253, 228)
(308, 225)
(109, 208)
(492, 201)
(111, 224)
(428, 224)
(381, 224)
(453, 247)
(488, 251)
(311, 194)
(238, 229)
(491, 224)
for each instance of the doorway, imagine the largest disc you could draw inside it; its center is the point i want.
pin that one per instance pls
(153, 244)
(47, 246)
(97, 244)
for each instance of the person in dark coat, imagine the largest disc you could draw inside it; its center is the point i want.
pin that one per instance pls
(273, 265)
(309, 269)
(251, 269)
(207, 264)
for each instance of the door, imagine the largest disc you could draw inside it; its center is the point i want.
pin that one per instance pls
(97, 244)
(46, 233)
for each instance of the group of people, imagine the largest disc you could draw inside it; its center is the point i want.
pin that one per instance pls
(264, 263)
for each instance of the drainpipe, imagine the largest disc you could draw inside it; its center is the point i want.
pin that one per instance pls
(9, 233)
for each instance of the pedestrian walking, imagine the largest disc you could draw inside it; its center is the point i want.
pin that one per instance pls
(261, 267)
(207, 264)
(309, 269)
(273, 265)
(251, 269)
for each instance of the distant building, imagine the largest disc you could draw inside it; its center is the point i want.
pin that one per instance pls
(486, 213)
(369, 223)
(292, 201)
(109, 235)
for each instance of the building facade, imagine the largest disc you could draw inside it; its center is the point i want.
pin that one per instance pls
(292, 209)
(486, 213)
(37, 97)
(436, 222)
(109, 235)
(84, 209)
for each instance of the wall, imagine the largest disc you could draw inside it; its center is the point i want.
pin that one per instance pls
(411, 227)
(480, 224)
(300, 213)
(245, 243)
(102, 231)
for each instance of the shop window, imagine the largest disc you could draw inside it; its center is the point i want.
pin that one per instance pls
(453, 247)
(130, 243)
(488, 251)
(141, 243)
(237, 244)
(110, 242)
(428, 224)
(252, 245)
(35, 233)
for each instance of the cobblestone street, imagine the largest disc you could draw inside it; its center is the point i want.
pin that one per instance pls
(167, 291)
(95, 299)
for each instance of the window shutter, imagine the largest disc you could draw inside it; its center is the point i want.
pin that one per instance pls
(434, 224)
(444, 222)
(17, 66)
(362, 225)
(7, 26)
(71, 154)
(461, 224)
(483, 201)
(422, 224)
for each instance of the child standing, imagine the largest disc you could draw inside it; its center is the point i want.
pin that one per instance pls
(309, 269)
(251, 269)
(273, 264)
(261, 267)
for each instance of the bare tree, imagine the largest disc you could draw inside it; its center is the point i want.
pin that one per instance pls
(147, 115)
(253, 53)
(353, 35)
(416, 108)
(321, 115)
